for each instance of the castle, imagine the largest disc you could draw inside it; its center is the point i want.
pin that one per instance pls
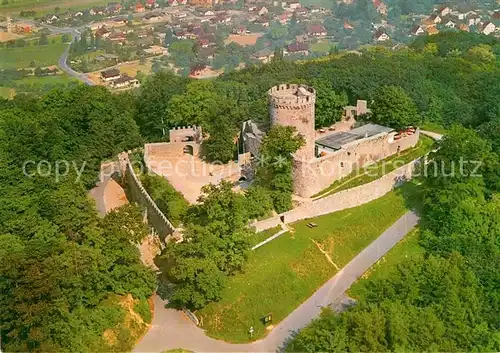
(326, 156)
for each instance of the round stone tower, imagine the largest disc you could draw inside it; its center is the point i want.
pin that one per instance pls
(293, 105)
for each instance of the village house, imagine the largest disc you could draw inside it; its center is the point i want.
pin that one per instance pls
(139, 7)
(380, 7)
(444, 11)
(102, 32)
(264, 55)
(473, 19)
(380, 36)
(433, 19)
(96, 11)
(110, 74)
(297, 48)
(431, 30)
(293, 4)
(463, 27)
(262, 10)
(124, 81)
(116, 36)
(316, 31)
(113, 8)
(156, 50)
(301, 12)
(284, 18)
(417, 30)
(487, 28)
(450, 24)
(151, 4)
(173, 3)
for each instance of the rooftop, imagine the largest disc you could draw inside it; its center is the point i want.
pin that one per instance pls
(340, 139)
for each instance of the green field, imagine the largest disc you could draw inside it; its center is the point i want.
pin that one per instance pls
(407, 249)
(322, 46)
(47, 6)
(7, 92)
(379, 169)
(43, 55)
(261, 236)
(283, 273)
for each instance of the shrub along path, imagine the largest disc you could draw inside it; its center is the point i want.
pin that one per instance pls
(352, 230)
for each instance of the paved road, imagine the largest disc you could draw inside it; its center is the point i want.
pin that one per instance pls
(62, 63)
(171, 329)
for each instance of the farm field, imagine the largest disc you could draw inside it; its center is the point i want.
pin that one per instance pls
(44, 6)
(42, 55)
(249, 39)
(280, 275)
(8, 92)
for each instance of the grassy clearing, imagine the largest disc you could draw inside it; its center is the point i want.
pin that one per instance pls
(440, 129)
(322, 47)
(282, 274)
(33, 80)
(7, 92)
(408, 248)
(379, 169)
(261, 236)
(42, 55)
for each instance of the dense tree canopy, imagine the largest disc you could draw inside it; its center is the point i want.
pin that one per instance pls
(62, 266)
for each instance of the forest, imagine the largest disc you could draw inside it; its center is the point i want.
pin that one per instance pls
(63, 267)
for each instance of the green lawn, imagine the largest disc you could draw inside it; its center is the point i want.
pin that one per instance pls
(379, 169)
(282, 274)
(261, 236)
(408, 248)
(43, 55)
(322, 47)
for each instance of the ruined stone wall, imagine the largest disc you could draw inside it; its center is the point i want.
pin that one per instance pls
(344, 199)
(310, 177)
(138, 194)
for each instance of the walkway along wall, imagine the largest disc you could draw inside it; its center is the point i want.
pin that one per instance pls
(344, 199)
(138, 194)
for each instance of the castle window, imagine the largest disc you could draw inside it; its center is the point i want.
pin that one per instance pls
(342, 164)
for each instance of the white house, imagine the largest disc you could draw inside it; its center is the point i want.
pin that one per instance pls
(488, 28)
(417, 30)
(450, 24)
(381, 36)
(444, 11)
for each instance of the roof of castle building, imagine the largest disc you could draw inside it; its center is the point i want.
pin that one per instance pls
(340, 139)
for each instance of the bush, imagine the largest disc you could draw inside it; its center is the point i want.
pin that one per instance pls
(170, 201)
(142, 308)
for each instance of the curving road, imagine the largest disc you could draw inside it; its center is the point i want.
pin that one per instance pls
(171, 329)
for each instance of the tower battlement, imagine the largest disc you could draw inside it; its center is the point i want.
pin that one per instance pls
(293, 105)
(292, 96)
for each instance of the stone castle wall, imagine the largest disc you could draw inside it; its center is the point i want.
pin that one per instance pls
(138, 194)
(344, 199)
(298, 111)
(310, 177)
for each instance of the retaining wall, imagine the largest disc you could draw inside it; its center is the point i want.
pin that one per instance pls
(138, 194)
(344, 199)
